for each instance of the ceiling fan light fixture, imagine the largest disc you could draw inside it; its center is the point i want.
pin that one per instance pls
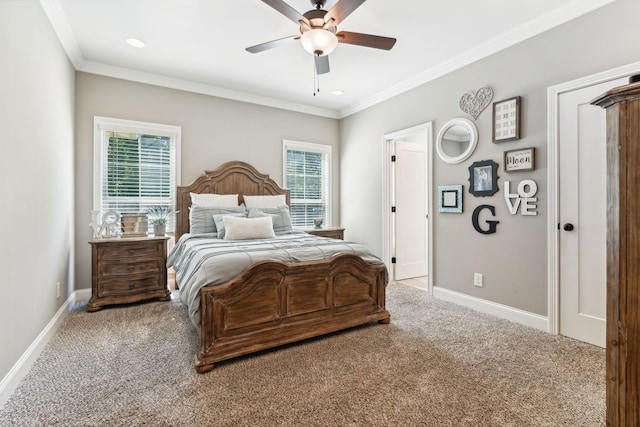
(319, 42)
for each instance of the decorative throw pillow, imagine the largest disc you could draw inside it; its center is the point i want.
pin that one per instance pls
(219, 220)
(280, 216)
(201, 218)
(247, 228)
(265, 201)
(214, 200)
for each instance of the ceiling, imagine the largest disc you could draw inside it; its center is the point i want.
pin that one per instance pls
(199, 45)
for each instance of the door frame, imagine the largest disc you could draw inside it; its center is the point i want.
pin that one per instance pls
(426, 131)
(553, 218)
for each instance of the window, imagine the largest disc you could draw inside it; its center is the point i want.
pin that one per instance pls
(307, 176)
(135, 166)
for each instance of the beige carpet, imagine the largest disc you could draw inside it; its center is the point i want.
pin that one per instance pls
(436, 364)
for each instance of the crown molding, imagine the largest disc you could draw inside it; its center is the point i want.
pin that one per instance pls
(189, 86)
(533, 28)
(58, 19)
(54, 11)
(56, 15)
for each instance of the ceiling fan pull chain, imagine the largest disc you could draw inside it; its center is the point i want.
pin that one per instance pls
(316, 80)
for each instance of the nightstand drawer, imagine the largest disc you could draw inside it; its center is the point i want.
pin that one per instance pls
(130, 250)
(115, 287)
(120, 268)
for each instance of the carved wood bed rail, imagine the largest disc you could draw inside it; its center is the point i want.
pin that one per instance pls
(272, 304)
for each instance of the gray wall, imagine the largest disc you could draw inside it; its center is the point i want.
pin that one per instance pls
(214, 131)
(513, 260)
(36, 171)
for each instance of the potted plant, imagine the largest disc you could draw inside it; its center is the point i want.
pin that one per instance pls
(158, 216)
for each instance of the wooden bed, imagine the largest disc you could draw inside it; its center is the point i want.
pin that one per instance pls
(272, 303)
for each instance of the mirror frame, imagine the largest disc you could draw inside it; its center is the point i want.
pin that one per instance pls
(473, 142)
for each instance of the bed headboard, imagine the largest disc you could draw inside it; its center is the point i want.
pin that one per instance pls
(231, 178)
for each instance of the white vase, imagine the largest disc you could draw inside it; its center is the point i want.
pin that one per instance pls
(159, 229)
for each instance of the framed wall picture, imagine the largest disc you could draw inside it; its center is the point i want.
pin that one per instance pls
(483, 178)
(506, 120)
(450, 198)
(520, 160)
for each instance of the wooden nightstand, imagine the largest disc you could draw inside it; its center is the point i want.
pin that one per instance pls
(126, 270)
(332, 232)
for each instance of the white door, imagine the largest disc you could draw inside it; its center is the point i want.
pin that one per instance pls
(583, 212)
(410, 220)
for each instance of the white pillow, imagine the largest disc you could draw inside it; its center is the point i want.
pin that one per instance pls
(218, 219)
(248, 228)
(214, 200)
(265, 201)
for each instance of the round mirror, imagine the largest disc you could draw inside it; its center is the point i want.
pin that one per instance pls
(457, 140)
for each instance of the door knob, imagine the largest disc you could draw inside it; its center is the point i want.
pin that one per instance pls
(568, 227)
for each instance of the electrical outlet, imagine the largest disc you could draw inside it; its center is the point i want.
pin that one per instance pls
(58, 290)
(477, 279)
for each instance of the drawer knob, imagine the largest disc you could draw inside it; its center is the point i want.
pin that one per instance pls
(130, 268)
(132, 252)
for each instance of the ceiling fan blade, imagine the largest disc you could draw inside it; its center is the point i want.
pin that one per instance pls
(273, 43)
(341, 10)
(286, 10)
(322, 64)
(367, 40)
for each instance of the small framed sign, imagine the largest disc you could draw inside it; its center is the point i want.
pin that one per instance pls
(520, 160)
(450, 198)
(506, 120)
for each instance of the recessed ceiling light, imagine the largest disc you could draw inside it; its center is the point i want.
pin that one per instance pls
(337, 92)
(135, 42)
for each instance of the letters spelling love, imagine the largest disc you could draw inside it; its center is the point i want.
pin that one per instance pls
(522, 198)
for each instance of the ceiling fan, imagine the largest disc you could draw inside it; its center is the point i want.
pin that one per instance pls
(318, 31)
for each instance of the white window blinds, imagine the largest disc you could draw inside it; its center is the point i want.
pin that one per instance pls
(136, 166)
(307, 176)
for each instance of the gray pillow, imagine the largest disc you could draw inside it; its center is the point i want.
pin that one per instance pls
(220, 222)
(201, 218)
(280, 217)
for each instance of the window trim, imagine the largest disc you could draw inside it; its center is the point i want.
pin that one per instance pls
(316, 148)
(101, 124)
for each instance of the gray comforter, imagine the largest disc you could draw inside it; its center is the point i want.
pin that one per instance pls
(200, 260)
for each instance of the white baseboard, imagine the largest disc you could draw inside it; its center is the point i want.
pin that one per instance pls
(81, 295)
(503, 311)
(22, 366)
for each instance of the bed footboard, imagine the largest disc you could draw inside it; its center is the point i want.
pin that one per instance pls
(272, 303)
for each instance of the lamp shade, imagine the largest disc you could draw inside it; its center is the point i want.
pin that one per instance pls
(319, 42)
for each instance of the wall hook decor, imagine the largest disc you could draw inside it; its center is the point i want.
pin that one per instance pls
(473, 103)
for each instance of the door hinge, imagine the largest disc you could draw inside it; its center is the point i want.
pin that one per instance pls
(393, 260)
(393, 158)
(393, 209)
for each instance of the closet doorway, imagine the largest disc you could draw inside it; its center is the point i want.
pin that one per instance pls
(408, 202)
(577, 206)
